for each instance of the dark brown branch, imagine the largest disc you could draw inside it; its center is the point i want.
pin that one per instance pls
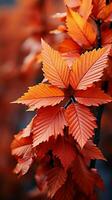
(100, 109)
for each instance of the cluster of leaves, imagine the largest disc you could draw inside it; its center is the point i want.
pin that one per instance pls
(60, 136)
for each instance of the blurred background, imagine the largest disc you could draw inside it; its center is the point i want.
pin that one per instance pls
(22, 24)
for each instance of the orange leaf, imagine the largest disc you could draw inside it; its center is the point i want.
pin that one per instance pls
(72, 3)
(106, 13)
(98, 6)
(85, 9)
(68, 45)
(81, 31)
(56, 177)
(81, 123)
(65, 151)
(41, 95)
(92, 97)
(88, 68)
(54, 67)
(50, 121)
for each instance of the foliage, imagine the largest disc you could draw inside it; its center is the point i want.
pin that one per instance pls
(61, 134)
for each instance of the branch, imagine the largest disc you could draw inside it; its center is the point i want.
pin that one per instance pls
(100, 109)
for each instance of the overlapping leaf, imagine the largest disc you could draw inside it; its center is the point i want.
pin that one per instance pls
(66, 192)
(92, 97)
(98, 6)
(72, 3)
(86, 9)
(50, 121)
(22, 147)
(88, 68)
(81, 123)
(86, 179)
(91, 151)
(106, 13)
(41, 95)
(56, 177)
(54, 67)
(65, 151)
(80, 30)
(23, 166)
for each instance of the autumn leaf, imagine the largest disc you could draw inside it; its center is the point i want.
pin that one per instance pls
(41, 95)
(68, 45)
(22, 147)
(72, 3)
(66, 192)
(98, 6)
(56, 177)
(106, 13)
(80, 30)
(50, 121)
(26, 132)
(106, 40)
(86, 9)
(88, 68)
(81, 123)
(89, 180)
(91, 151)
(63, 147)
(54, 67)
(23, 166)
(92, 97)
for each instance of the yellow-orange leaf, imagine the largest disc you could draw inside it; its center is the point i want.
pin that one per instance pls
(54, 67)
(80, 30)
(85, 9)
(81, 123)
(50, 121)
(41, 95)
(72, 3)
(92, 97)
(88, 68)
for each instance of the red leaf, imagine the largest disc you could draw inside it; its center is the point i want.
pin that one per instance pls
(86, 179)
(92, 152)
(66, 192)
(56, 177)
(65, 151)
